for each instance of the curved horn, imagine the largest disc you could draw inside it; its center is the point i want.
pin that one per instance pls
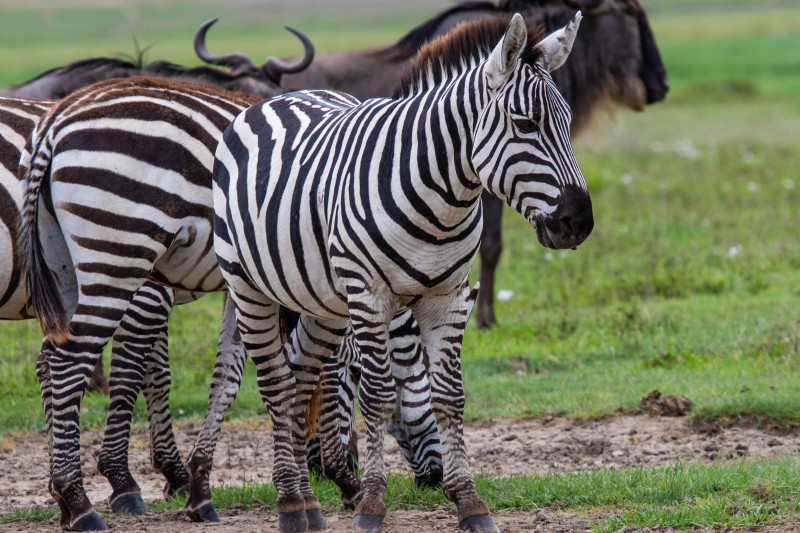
(275, 67)
(235, 60)
(587, 6)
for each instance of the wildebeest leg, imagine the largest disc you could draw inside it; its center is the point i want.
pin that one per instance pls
(491, 248)
(225, 384)
(442, 320)
(98, 380)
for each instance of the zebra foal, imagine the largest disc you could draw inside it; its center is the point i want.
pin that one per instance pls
(350, 212)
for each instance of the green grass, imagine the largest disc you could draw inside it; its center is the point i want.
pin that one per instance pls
(686, 495)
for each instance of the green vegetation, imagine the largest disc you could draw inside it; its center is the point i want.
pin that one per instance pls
(690, 282)
(686, 495)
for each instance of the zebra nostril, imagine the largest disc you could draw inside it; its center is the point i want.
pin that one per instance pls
(567, 226)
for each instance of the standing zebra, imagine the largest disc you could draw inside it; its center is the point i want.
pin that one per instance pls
(134, 207)
(349, 211)
(139, 355)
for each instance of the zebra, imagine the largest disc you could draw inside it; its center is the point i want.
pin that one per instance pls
(150, 231)
(349, 212)
(129, 166)
(145, 322)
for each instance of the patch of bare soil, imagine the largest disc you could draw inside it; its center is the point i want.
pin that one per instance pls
(495, 446)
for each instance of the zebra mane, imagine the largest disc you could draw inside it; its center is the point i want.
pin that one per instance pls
(467, 44)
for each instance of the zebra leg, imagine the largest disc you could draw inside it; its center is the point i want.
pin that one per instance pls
(259, 323)
(141, 334)
(349, 376)
(442, 320)
(225, 384)
(310, 346)
(370, 319)
(334, 455)
(94, 322)
(413, 424)
(43, 375)
(491, 248)
(164, 453)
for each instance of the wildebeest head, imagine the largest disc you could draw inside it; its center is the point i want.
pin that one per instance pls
(621, 30)
(243, 68)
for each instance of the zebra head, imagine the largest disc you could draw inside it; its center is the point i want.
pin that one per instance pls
(521, 149)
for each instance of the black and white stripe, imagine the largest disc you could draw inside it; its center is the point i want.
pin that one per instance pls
(345, 210)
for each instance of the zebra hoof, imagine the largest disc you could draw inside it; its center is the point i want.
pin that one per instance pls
(368, 523)
(204, 513)
(351, 502)
(295, 522)
(130, 503)
(88, 522)
(315, 519)
(481, 523)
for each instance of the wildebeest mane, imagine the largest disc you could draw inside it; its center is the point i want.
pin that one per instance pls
(410, 43)
(202, 73)
(469, 42)
(94, 63)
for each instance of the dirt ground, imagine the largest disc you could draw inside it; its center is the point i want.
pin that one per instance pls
(495, 446)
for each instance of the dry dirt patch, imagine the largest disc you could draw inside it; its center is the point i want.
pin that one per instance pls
(496, 446)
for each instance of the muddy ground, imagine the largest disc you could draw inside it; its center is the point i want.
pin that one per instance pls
(496, 446)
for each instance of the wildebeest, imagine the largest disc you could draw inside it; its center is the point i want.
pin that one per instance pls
(262, 80)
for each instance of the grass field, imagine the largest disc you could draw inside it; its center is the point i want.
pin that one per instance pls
(690, 282)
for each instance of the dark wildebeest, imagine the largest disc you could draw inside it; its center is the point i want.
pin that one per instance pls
(262, 80)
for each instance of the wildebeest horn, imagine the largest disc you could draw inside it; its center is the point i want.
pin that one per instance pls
(275, 67)
(587, 6)
(235, 61)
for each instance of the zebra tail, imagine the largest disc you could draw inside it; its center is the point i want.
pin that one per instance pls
(312, 411)
(288, 320)
(41, 283)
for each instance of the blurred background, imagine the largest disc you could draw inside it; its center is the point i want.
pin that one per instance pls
(690, 282)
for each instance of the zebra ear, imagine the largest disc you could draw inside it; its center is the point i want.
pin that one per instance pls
(555, 48)
(504, 56)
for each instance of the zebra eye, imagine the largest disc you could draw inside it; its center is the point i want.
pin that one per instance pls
(526, 125)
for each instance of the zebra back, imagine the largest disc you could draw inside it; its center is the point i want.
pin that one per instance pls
(133, 123)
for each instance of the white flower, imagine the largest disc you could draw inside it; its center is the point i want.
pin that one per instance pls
(626, 179)
(753, 187)
(788, 183)
(733, 251)
(687, 149)
(504, 295)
